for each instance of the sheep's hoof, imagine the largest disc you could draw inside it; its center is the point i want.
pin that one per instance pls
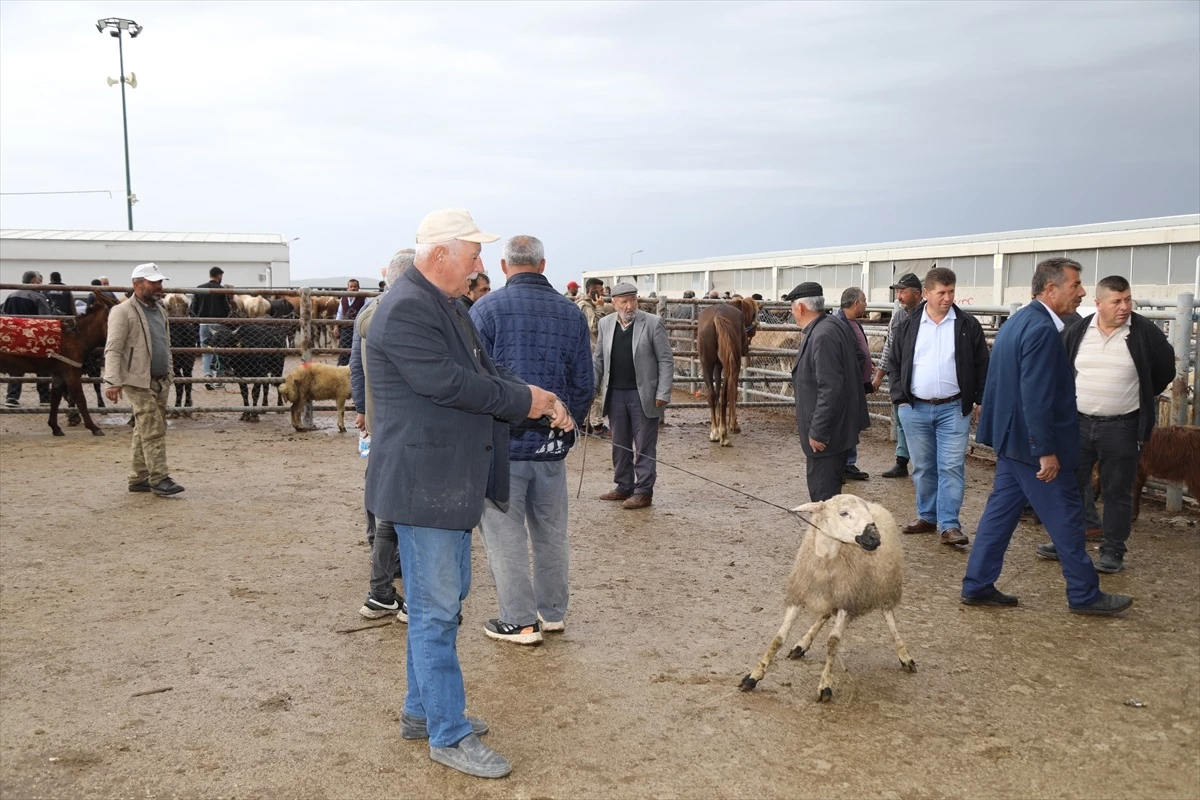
(341, 428)
(826, 695)
(910, 665)
(97, 432)
(748, 684)
(797, 652)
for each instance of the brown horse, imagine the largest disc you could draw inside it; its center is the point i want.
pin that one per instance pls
(724, 336)
(79, 338)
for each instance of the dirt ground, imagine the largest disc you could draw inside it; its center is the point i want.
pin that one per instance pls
(233, 596)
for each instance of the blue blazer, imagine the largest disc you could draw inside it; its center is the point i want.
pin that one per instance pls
(1029, 408)
(440, 412)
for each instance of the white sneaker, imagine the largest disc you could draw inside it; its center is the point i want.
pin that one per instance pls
(552, 627)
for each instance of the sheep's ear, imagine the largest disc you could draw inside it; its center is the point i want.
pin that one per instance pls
(810, 508)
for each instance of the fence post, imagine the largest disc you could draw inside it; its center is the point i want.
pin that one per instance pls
(1181, 333)
(306, 340)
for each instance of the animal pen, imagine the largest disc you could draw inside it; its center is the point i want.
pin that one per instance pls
(765, 381)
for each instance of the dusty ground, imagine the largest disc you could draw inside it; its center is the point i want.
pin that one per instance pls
(232, 595)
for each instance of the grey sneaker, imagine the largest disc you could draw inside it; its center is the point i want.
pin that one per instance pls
(552, 627)
(1110, 563)
(414, 727)
(1107, 605)
(473, 757)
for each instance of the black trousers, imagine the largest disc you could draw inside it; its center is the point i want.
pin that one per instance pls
(1113, 442)
(14, 392)
(825, 473)
(345, 339)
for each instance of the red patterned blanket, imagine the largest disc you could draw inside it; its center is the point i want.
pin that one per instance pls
(30, 336)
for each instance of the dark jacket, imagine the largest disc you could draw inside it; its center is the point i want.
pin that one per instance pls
(440, 411)
(861, 348)
(210, 305)
(27, 303)
(540, 335)
(970, 358)
(1028, 409)
(1152, 355)
(61, 301)
(831, 406)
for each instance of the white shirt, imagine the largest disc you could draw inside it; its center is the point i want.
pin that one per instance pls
(935, 373)
(1058, 323)
(1106, 380)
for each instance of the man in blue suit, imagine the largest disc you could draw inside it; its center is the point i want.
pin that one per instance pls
(1029, 417)
(440, 416)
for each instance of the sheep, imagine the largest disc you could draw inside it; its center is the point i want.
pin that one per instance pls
(1172, 454)
(316, 381)
(849, 563)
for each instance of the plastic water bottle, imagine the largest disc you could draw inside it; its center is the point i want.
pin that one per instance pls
(364, 444)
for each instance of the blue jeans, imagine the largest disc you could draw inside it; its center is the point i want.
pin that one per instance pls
(901, 442)
(437, 577)
(206, 359)
(937, 443)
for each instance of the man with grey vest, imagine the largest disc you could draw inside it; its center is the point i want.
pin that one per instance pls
(137, 362)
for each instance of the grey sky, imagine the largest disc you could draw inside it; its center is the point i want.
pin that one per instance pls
(681, 129)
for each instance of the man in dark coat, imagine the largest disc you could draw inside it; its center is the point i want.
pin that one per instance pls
(440, 415)
(831, 407)
(1029, 417)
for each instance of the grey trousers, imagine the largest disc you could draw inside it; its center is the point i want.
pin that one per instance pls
(825, 474)
(385, 557)
(632, 429)
(536, 521)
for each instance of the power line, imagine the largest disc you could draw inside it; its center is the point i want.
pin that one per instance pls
(74, 191)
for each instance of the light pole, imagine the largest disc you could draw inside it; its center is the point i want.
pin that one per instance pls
(114, 26)
(634, 253)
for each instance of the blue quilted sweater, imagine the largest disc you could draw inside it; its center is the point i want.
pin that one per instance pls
(542, 337)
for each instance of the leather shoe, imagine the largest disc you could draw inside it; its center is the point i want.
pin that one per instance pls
(920, 526)
(166, 487)
(637, 501)
(1047, 551)
(954, 536)
(899, 470)
(140, 486)
(1093, 534)
(990, 597)
(1110, 563)
(614, 495)
(1106, 605)
(854, 473)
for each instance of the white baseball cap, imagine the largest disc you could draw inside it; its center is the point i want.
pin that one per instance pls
(449, 224)
(149, 272)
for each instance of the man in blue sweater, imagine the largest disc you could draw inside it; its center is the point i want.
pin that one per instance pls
(543, 338)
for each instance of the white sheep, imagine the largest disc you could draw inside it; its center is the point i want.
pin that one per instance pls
(849, 563)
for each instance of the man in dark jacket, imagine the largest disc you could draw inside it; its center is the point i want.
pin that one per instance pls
(937, 368)
(210, 305)
(1122, 362)
(1028, 416)
(831, 407)
(440, 415)
(62, 301)
(853, 306)
(540, 335)
(347, 311)
(27, 303)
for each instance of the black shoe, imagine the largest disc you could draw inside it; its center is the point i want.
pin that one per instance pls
(140, 486)
(1110, 563)
(166, 487)
(854, 473)
(1106, 605)
(1047, 551)
(990, 597)
(900, 470)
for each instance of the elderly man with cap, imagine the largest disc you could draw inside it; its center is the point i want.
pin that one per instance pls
(137, 362)
(633, 367)
(908, 295)
(210, 305)
(831, 407)
(440, 415)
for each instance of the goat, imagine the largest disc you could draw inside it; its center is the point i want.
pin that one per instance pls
(1172, 454)
(316, 381)
(849, 563)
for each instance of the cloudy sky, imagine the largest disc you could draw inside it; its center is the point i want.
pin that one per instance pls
(680, 129)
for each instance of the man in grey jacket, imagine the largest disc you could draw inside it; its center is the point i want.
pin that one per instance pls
(908, 295)
(633, 366)
(137, 362)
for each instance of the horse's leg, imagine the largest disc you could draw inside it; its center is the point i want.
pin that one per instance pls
(734, 371)
(760, 669)
(712, 383)
(55, 396)
(75, 385)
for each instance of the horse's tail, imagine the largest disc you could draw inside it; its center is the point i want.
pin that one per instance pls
(729, 353)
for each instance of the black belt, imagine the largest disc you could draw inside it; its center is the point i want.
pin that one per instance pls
(1094, 418)
(941, 401)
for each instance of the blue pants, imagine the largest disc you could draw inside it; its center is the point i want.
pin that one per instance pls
(1061, 511)
(206, 359)
(437, 577)
(901, 441)
(937, 441)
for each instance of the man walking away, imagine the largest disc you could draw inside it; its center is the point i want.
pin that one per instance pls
(1122, 362)
(137, 362)
(1029, 417)
(539, 335)
(853, 307)
(209, 305)
(908, 295)
(937, 370)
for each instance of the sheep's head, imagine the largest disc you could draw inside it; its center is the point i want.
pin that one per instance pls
(845, 518)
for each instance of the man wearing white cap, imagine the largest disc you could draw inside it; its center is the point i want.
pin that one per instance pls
(440, 416)
(137, 361)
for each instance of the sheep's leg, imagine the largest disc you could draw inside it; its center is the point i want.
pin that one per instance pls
(835, 638)
(341, 407)
(760, 669)
(901, 650)
(805, 644)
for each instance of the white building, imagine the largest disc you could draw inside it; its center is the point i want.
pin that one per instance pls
(1160, 257)
(250, 260)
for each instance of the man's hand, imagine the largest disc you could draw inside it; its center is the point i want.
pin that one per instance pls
(542, 404)
(815, 445)
(562, 418)
(1049, 469)
(877, 381)
(113, 393)
(360, 421)
(659, 403)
